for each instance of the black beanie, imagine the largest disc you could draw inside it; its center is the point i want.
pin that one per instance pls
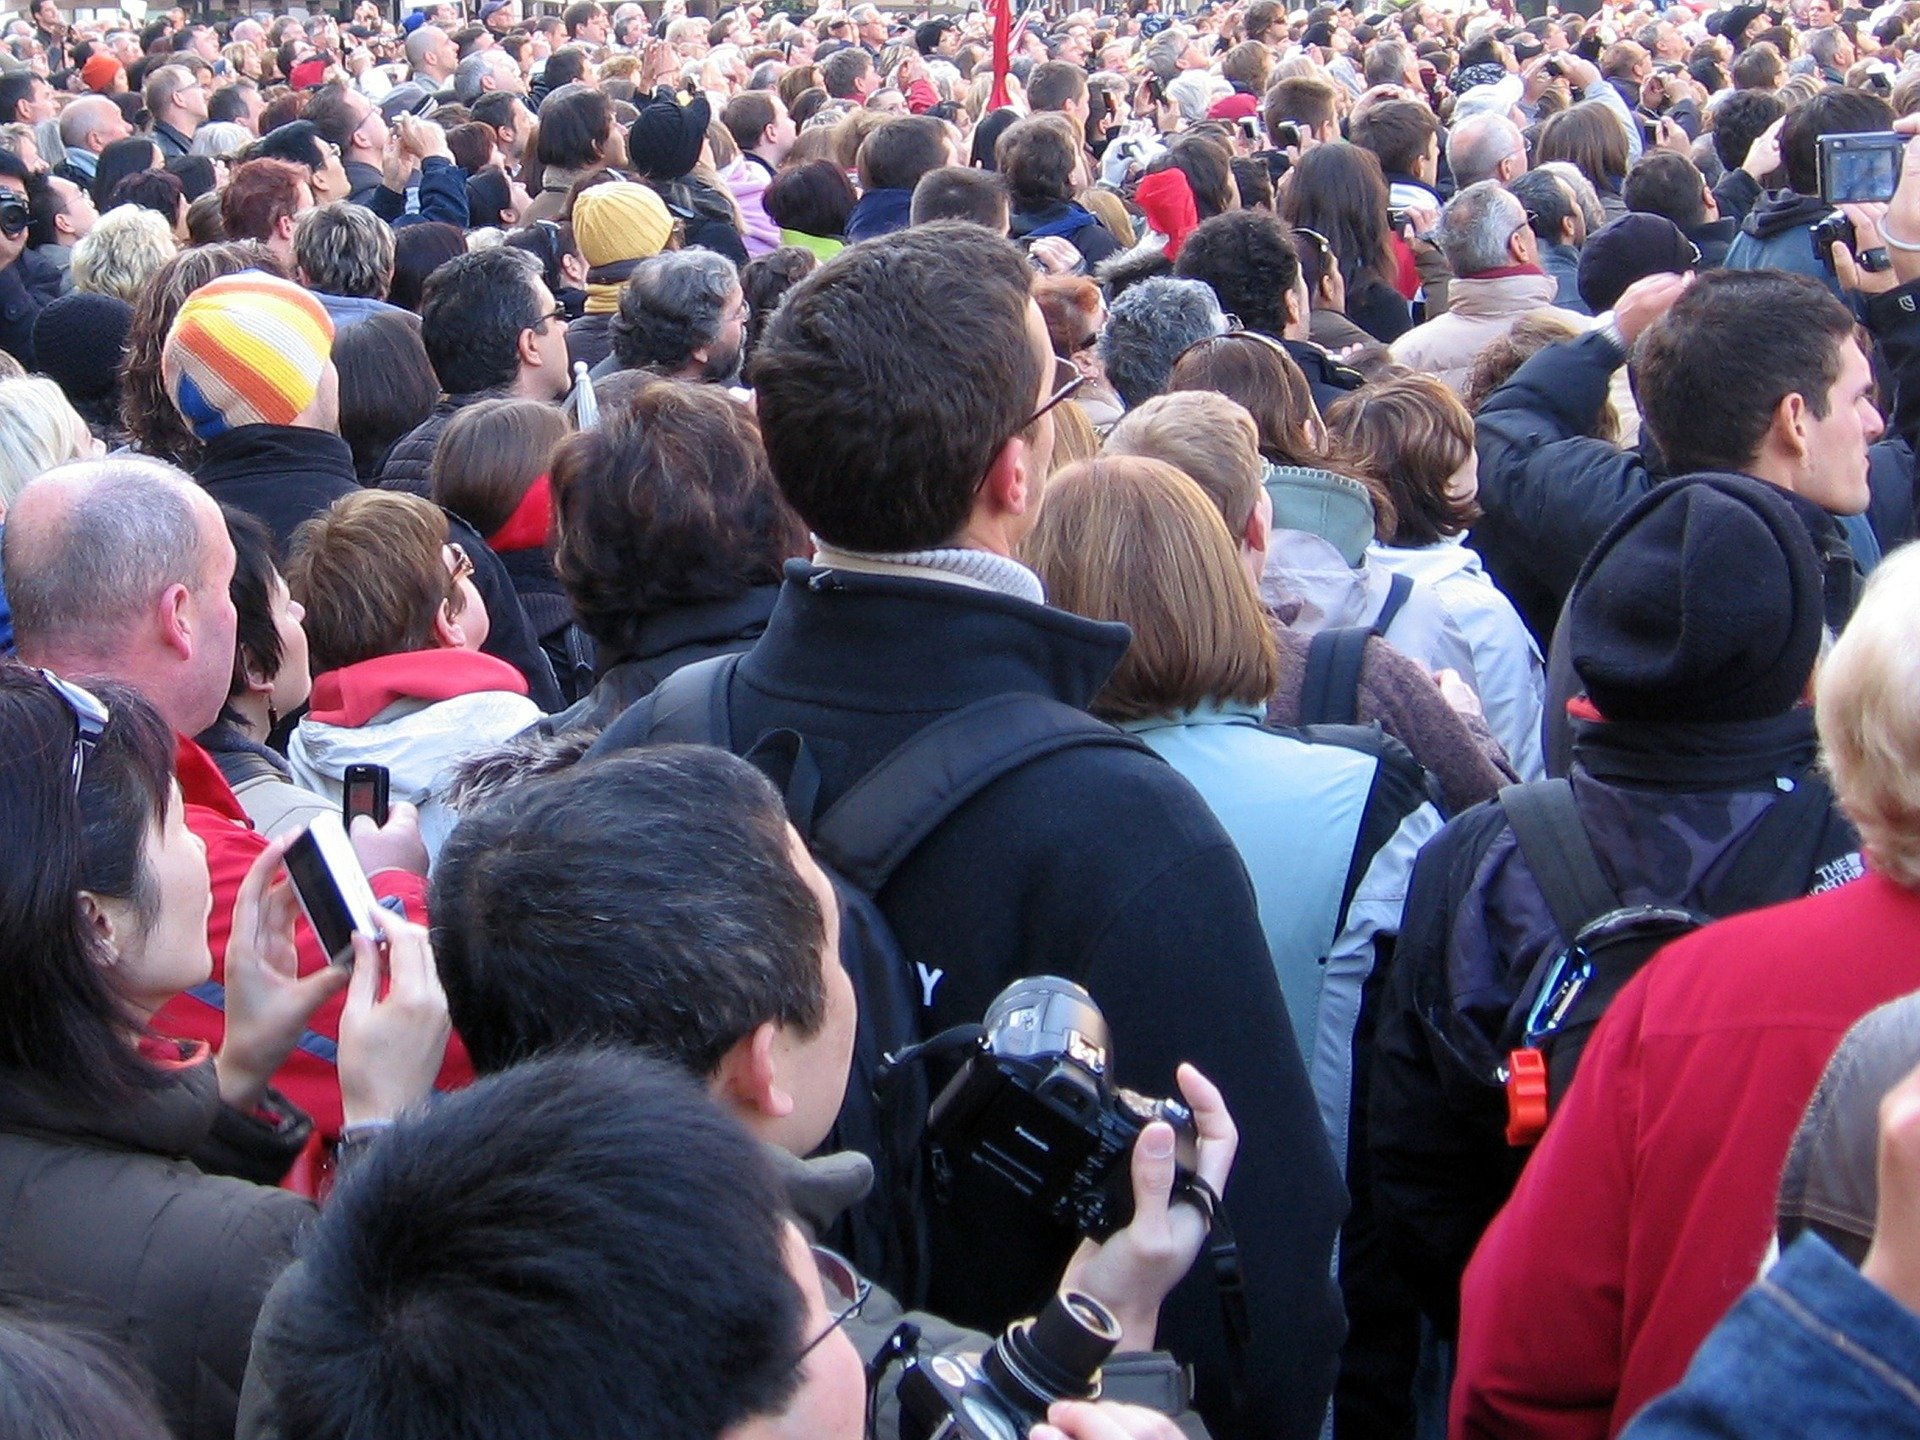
(79, 341)
(664, 140)
(1702, 603)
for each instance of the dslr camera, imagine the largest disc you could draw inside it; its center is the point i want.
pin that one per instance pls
(14, 215)
(1034, 1104)
(1004, 1393)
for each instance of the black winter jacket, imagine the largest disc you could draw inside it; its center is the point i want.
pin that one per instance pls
(1668, 809)
(27, 287)
(1326, 376)
(1099, 864)
(283, 474)
(1548, 490)
(125, 1224)
(666, 642)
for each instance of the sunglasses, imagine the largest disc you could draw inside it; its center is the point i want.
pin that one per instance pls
(90, 717)
(846, 1290)
(1059, 397)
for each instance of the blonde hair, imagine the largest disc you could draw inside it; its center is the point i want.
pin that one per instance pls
(1111, 211)
(1206, 435)
(1074, 438)
(1137, 541)
(39, 429)
(126, 247)
(1867, 706)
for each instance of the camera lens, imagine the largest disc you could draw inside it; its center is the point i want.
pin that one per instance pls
(1054, 1356)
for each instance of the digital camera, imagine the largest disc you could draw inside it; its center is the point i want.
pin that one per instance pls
(1034, 1105)
(1004, 1393)
(14, 215)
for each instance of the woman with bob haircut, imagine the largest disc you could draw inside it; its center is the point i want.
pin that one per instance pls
(1133, 539)
(138, 1171)
(1590, 137)
(1412, 435)
(1340, 193)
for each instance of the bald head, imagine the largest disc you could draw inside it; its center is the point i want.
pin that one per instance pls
(87, 123)
(1486, 147)
(119, 569)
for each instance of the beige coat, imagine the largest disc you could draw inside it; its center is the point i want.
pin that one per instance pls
(1480, 310)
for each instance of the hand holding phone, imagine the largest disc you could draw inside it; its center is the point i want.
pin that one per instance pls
(364, 792)
(331, 887)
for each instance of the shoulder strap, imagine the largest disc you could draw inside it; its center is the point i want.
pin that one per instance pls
(870, 830)
(1398, 589)
(1330, 689)
(692, 706)
(1778, 857)
(1547, 823)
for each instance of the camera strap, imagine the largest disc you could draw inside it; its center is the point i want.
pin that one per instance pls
(1230, 1283)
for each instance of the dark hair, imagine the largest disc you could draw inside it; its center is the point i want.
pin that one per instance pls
(1251, 179)
(256, 562)
(1208, 165)
(195, 173)
(13, 90)
(1832, 112)
(1738, 121)
(1408, 434)
(59, 1383)
(1667, 184)
(298, 143)
(879, 426)
(124, 157)
(986, 136)
(62, 1022)
(229, 102)
(418, 252)
(1250, 261)
(814, 198)
(574, 129)
(766, 280)
(153, 190)
(669, 503)
(840, 72)
(1549, 203)
(489, 455)
(955, 192)
(747, 116)
(896, 155)
(1341, 193)
(1037, 156)
(1591, 138)
(330, 114)
(1758, 67)
(1052, 85)
(472, 146)
(1398, 132)
(565, 66)
(494, 108)
(579, 1245)
(649, 900)
(387, 385)
(1710, 374)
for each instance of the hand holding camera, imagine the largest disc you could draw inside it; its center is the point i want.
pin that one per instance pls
(1136, 1268)
(395, 845)
(392, 1044)
(15, 219)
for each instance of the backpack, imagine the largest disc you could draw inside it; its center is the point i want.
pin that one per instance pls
(1330, 691)
(1605, 943)
(860, 841)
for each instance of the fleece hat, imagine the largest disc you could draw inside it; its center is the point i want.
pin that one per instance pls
(79, 341)
(620, 220)
(100, 71)
(1702, 603)
(1629, 249)
(246, 349)
(665, 139)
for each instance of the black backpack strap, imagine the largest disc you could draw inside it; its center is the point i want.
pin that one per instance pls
(692, 705)
(1547, 823)
(870, 830)
(1330, 690)
(1398, 589)
(1778, 857)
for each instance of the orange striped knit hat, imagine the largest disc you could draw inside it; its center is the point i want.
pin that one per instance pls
(246, 349)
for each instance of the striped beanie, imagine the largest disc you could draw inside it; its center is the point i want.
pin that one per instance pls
(246, 349)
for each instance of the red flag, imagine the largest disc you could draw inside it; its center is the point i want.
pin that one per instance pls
(1002, 12)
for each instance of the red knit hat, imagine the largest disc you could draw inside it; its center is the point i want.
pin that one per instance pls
(100, 72)
(1166, 199)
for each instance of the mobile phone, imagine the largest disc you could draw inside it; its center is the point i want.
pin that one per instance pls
(1156, 90)
(1286, 136)
(364, 792)
(331, 887)
(1860, 169)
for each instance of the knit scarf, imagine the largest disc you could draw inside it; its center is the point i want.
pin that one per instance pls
(977, 569)
(604, 283)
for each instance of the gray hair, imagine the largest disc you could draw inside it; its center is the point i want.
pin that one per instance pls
(671, 306)
(78, 576)
(344, 249)
(84, 116)
(1149, 325)
(1476, 226)
(1823, 44)
(1584, 195)
(221, 139)
(469, 74)
(1478, 144)
(1387, 62)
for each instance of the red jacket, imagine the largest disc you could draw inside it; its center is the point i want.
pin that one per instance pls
(1649, 1205)
(232, 846)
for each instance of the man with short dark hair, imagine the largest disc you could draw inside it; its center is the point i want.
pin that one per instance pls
(892, 160)
(1308, 104)
(28, 282)
(1059, 86)
(508, 118)
(63, 215)
(25, 99)
(586, 23)
(849, 75)
(176, 98)
(958, 192)
(1560, 225)
(1406, 139)
(1670, 185)
(237, 102)
(1778, 232)
(917, 455)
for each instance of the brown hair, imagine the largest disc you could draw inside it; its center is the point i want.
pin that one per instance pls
(1591, 137)
(1209, 437)
(1266, 382)
(489, 456)
(259, 195)
(1411, 434)
(1070, 304)
(370, 573)
(1135, 540)
(1529, 335)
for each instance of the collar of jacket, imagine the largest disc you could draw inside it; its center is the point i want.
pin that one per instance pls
(821, 1189)
(531, 522)
(201, 782)
(880, 642)
(1734, 755)
(274, 450)
(172, 1118)
(362, 176)
(710, 622)
(1321, 367)
(223, 737)
(879, 212)
(354, 694)
(1498, 294)
(178, 137)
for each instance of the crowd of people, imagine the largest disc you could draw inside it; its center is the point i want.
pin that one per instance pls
(895, 571)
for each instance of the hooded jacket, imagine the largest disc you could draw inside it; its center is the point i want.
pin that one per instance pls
(879, 212)
(747, 183)
(1481, 309)
(282, 474)
(125, 1223)
(1668, 808)
(1071, 222)
(1778, 235)
(419, 714)
(1648, 1206)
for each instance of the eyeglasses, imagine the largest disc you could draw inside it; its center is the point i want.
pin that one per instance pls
(90, 717)
(1320, 242)
(847, 1292)
(462, 566)
(1060, 396)
(559, 312)
(1235, 334)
